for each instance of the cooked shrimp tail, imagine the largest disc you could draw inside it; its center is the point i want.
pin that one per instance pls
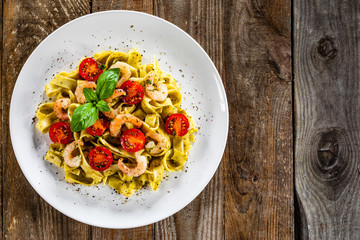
(117, 93)
(69, 159)
(60, 108)
(120, 120)
(112, 113)
(157, 148)
(138, 169)
(125, 72)
(158, 94)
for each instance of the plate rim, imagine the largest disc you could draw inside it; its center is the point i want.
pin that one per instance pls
(193, 194)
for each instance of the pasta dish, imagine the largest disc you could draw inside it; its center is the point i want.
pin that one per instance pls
(116, 121)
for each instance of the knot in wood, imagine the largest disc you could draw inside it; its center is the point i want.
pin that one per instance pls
(326, 48)
(331, 161)
(328, 151)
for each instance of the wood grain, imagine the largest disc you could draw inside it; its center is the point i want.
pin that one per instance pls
(203, 217)
(326, 60)
(259, 158)
(136, 5)
(25, 214)
(2, 125)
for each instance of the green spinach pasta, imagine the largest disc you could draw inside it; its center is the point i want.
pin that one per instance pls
(116, 121)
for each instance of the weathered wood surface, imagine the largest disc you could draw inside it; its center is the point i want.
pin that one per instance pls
(326, 60)
(258, 166)
(2, 125)
(251, 194)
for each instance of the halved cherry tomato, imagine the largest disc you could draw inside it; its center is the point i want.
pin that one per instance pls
(100, 158)
(177, 124)
(60, 132)
(134, 92)
(89, 69)
(132, 140)
(98, 128)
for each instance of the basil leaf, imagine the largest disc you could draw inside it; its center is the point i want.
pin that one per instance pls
(107, 82)
(102, 106)
(84, 116)
(90, 95)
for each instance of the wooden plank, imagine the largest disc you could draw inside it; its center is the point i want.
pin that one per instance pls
(203, 217)
(142, 233)
(25, 214)
(134, 5)
(326, 61)
(2, 120)
(145, 232)
(259, 158)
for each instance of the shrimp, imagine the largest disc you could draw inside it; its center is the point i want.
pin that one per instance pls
(79, 91)
(153, 148)
(157, 95)
(67, 154)
(60, 108)
(125, 71)
(120, 119)
(117, 93)
(113, 112)
(138, 169)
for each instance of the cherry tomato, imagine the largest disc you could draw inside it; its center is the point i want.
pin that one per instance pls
(60, 132)
(98, 128)
(100, 158)
(134, 92)
(177, 124)
(132, 140)
(89, 69)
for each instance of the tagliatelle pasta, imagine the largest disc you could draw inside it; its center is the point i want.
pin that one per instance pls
(157, 114)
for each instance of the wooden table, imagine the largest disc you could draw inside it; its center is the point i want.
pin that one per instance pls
(289, 70)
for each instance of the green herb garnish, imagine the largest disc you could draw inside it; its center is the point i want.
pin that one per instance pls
(86, 115)
(106, 83)
(102, 106)
(90, 96)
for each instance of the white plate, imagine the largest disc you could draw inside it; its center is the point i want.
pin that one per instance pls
(181, 56)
